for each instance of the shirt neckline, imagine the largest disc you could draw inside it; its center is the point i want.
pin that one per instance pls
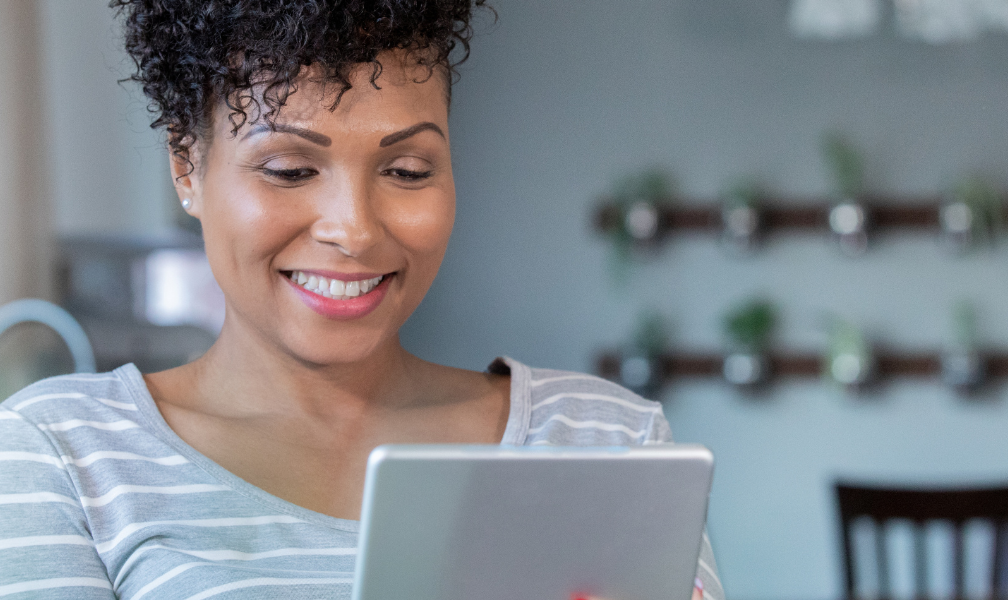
(520, 415)
(515, 433)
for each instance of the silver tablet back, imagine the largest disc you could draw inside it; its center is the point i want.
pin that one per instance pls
(506, 523)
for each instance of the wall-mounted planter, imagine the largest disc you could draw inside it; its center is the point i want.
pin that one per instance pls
(963, 369)
(886, 365)
(640, 373)
(778, 216)
(848, 220)
(957, 222)
(746, 370)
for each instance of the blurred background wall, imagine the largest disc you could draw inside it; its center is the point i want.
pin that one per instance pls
(76, 153)
(559, 100)
(562, 98)
(77, 158)
(107, 170)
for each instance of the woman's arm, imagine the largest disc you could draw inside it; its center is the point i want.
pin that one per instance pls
(709, 583)
(707, 575)
(46, 549)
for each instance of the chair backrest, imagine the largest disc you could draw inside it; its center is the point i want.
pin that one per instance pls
(47, 313)
(919, 506)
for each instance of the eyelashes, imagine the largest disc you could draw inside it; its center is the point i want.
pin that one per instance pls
(408, 175)
(302, 175)
(289, 175)
(295, 169)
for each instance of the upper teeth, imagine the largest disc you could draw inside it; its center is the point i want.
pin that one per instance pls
(334, 288)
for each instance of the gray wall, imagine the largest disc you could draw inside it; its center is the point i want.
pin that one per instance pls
(563, 97)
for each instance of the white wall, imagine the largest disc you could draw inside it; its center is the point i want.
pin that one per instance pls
(563, 97)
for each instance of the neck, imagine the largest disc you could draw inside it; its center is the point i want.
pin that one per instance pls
(245, 375)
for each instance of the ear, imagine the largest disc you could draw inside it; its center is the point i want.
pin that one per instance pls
(185, 176)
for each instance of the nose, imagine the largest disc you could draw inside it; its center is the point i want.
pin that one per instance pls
(347, 219)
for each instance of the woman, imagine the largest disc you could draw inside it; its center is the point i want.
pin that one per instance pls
(311, 140)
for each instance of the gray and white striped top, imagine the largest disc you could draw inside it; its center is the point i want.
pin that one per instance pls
(100, 499)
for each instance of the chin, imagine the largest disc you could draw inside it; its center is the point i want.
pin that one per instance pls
(319, 350)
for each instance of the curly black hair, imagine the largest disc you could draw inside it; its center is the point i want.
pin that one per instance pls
(192, 54)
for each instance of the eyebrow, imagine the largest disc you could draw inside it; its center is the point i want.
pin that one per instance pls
(395, 138)
(325, 141)
(312, 136)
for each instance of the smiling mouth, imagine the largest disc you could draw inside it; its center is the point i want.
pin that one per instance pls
(333, 288)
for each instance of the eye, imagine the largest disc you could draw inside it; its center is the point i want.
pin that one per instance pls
(408, 174)
(408, 170)
(294, 175)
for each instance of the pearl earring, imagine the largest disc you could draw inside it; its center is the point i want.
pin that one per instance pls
(186, 203)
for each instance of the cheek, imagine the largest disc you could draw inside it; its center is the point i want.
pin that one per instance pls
(423, 225)
(240, 226)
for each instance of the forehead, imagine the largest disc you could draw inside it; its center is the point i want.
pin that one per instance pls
(395, 91)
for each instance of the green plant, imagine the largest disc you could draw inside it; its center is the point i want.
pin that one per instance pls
(751, 325)
(985, 204)
(846, 338)
(652, 185)
(964, 323)
(845, 164)
(850, 355)
(651, 336)
(649, 187)
(742, 193)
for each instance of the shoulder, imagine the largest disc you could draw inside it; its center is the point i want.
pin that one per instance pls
(78, 394)
(62, 407)
(578, 409)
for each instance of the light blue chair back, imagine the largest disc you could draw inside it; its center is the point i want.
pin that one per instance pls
(47, 313)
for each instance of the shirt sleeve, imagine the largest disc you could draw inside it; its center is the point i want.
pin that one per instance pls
(46, 548)
(707, 573)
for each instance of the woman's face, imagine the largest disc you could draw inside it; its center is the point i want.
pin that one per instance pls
(326, 232)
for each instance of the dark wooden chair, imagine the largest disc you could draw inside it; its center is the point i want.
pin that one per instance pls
(919, 506)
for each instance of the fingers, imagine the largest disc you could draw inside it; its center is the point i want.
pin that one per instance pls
(697, 589)
(697, 593)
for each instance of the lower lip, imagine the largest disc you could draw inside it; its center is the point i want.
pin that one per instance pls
(343, 310)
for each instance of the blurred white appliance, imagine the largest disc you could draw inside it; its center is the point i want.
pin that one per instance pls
(149, 300)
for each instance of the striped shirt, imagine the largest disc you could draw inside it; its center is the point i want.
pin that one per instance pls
(100, 499)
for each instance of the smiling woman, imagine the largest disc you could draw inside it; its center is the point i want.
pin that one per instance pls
(311, 140)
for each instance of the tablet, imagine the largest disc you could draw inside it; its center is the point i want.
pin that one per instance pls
(532, 523)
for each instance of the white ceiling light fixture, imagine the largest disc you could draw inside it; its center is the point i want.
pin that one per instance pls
(940, 21)
(949, 21)
(835, 19)
(932, 21)
(995, 12)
